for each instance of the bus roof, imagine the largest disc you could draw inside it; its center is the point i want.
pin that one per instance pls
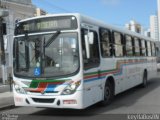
(92, 21)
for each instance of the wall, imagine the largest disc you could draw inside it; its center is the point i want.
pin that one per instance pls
(16, 11)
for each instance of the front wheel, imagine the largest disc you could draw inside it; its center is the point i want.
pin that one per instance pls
(108, 94)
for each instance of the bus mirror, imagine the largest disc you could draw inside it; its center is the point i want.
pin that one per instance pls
(91, 37)
(87, 46)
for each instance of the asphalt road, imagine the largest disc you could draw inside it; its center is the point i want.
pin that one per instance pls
(134, 101)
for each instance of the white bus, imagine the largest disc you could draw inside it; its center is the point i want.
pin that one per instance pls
(74, 61)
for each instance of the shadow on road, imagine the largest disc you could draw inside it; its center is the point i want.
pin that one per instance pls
(125, 99)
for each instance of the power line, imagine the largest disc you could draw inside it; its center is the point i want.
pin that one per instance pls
(55, 6)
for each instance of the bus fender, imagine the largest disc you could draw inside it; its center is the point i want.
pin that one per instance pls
(111, 79)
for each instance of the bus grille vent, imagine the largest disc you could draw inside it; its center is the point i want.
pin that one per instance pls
(40, 100)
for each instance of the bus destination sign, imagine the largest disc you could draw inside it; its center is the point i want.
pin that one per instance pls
(46, 24)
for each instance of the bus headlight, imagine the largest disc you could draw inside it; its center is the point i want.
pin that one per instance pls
(19, 89)
(71, 88)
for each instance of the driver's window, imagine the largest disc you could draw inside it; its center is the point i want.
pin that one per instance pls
(22, 54)
(94, 59)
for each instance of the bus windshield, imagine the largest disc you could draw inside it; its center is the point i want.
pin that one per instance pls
(34, 57)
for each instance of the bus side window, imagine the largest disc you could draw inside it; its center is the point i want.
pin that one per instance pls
(94, 59)
(146, 46)
(137, 46)
(143, 48)
(105, 42)
(149, 48)
(153, 49)
(118, 44)
(129, 45)
(140, 46)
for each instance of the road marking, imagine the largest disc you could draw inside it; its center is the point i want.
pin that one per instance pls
(3, 86)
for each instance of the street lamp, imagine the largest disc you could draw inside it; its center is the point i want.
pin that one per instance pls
(3, 13)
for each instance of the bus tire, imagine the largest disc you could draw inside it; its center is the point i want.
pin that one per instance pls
(108, 94)
(145, 80)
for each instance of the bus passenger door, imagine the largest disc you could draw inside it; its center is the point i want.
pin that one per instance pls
(91, 62)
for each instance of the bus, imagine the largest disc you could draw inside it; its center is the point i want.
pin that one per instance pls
(74, 61)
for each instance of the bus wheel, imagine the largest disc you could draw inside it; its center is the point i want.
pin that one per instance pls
(108, 94)
(144, 84)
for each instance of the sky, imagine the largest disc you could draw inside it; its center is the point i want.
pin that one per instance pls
(115, 12)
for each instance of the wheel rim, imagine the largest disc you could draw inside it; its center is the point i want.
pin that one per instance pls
(107, 93)
(145, 80)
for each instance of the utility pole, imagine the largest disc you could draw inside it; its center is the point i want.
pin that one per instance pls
(3, 13)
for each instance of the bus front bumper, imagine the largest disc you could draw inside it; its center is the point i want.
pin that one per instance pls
(73, 101)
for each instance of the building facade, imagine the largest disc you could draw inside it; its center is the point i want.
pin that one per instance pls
(26, 2)
(18, 9)
(40, 12)
(134, 26)
(154, 27)
(147, 33)
(158, 2)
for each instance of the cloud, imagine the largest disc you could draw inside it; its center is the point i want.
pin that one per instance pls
(110, 2)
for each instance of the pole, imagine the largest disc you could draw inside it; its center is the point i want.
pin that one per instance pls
(3, 62)
(2, 43)
(3, 13)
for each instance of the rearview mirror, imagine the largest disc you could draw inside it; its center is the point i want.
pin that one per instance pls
(91, 37)
(87, 46)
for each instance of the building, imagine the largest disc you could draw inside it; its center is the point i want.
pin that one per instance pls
(26, 2)
(147, 33)
(40, 12)
(154, 27)
(158, 2)
(18, 9)
(134, 26)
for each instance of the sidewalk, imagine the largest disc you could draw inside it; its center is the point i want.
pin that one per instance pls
(6, 97)
(6, 100)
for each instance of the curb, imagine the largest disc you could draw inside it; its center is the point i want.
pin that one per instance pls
(11, 106)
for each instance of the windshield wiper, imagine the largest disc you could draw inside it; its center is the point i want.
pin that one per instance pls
(53, 37)
(27, 51)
